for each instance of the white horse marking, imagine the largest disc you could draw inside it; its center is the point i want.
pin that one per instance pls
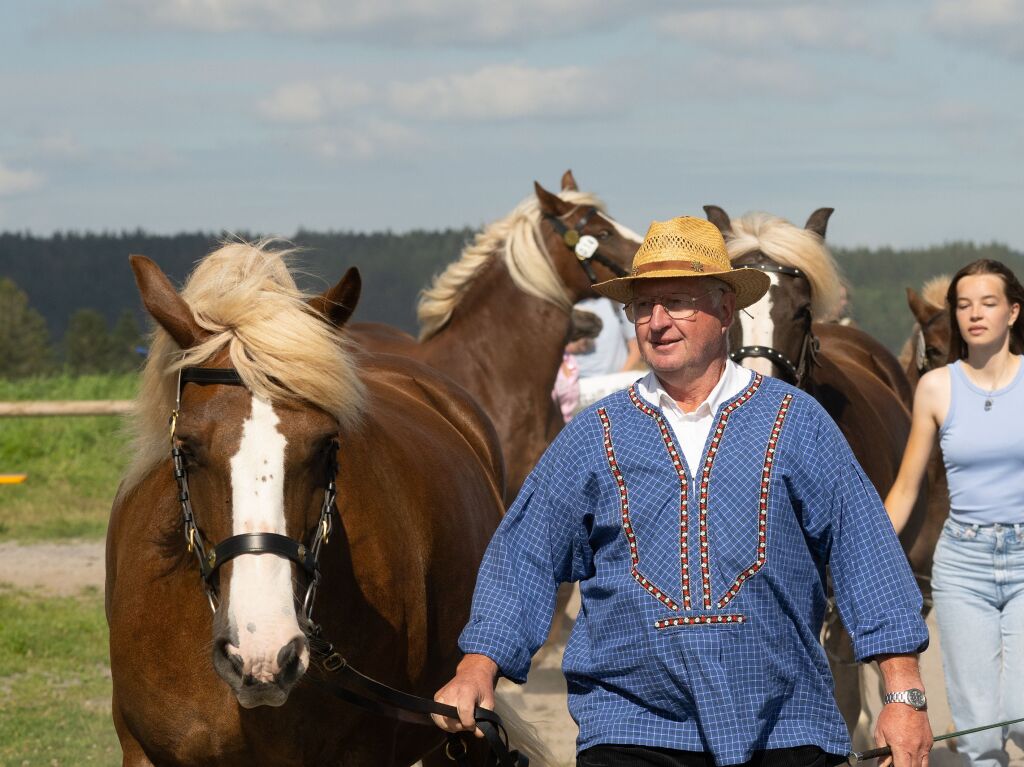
(260, 593)
(624, 231)
(758, 328)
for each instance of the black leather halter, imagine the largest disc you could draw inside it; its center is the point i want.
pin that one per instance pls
(571, 237)
(795, 371)
(212, 558)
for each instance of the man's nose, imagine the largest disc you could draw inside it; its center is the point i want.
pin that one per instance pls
(660, 316)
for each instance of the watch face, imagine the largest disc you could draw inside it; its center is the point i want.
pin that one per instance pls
(916, 698)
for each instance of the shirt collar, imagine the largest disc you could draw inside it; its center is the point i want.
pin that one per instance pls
(734, 379)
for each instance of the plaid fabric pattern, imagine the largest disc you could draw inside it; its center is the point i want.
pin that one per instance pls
(728, 687)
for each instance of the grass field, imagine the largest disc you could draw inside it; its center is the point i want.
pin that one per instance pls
(54, 682)
(73, 463)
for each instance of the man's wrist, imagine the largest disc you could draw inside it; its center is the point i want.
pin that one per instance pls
(913, 697)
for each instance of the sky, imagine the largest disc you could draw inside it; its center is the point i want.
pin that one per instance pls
(906, 116)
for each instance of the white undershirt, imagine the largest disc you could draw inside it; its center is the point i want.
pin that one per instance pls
(691, 429)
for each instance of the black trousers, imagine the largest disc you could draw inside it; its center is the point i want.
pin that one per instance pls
(647, 756)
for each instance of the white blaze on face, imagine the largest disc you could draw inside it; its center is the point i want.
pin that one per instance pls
(261, 610)
(759, 329)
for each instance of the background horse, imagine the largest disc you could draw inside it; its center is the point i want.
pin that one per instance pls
(927, 349)
(416, 467)
(854, 378)
(497, 320)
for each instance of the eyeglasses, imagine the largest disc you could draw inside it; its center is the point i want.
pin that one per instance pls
(679, 307)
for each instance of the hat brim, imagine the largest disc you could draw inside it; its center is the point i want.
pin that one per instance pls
(749, 285)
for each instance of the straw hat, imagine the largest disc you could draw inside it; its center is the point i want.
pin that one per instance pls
(686, 247)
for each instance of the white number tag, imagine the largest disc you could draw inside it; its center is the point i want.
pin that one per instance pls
(586, 247)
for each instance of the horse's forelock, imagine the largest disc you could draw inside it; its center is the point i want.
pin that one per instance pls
(934, 290)
(245, 297)
(793, 246)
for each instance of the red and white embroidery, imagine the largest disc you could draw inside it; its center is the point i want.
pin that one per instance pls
(627, 526)
(677, 464)
(705, 479)
(699, 620)
(762, 506)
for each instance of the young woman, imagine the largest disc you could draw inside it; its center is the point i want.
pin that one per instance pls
(975, 405)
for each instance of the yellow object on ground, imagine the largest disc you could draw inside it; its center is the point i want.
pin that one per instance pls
(12, 479)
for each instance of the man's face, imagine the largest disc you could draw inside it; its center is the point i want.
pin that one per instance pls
(671, 345)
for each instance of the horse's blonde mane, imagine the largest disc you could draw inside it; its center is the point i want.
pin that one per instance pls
(934, 290)
(518, 240)
(244, 295)
(793, 246)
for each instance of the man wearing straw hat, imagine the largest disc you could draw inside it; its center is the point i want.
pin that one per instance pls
(698, 510)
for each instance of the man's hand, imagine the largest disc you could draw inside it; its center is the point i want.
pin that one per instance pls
(901, 727)
(907, 732)
(472, 686)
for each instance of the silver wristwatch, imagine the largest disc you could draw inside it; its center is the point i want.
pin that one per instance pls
(913, 697)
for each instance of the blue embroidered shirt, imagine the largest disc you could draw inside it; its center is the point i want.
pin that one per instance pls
(703, 588)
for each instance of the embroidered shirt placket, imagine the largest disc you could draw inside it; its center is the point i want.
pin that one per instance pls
(702, 490)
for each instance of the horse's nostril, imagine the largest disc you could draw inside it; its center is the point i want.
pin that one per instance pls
(288, 658)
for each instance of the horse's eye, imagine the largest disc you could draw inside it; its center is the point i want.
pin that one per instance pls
(931, 351)
(604, 234)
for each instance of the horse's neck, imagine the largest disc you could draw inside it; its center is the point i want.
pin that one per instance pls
(500, 339)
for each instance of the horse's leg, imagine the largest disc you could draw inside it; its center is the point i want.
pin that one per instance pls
(132, 754)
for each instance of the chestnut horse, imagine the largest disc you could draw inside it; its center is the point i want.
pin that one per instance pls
(856, 380)
(927, 349)
(271, 415)
(497, 320)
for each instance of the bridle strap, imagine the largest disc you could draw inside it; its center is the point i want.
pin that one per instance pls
(261, 543)
(205, 376)
(571, 236)
(789, 271)
(210, 559)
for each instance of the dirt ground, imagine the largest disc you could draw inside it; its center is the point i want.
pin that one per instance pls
(65, 568)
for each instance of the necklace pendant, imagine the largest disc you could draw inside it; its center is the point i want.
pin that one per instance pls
(988, 405)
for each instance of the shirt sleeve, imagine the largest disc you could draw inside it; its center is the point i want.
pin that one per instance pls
(538, 545)
(847, 527)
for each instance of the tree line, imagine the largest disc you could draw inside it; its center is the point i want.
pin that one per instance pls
(68, 302)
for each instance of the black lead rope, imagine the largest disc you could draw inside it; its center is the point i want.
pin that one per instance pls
(360, 690)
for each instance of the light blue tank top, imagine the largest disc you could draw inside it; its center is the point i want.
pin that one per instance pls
(984, 450)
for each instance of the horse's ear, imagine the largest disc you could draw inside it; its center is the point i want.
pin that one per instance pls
(918, 306)
(719, 218)
(818, 221)
(164, 304)
(338, 303)
(569, 182)
(551, 204)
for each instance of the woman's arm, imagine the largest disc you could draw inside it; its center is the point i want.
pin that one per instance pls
(929, 400)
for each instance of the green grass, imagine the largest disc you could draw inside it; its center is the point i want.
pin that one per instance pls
(54, 682)
(73, 463)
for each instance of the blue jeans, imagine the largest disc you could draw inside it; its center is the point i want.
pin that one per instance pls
(978, 588)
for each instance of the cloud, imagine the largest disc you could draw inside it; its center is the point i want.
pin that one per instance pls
(821, 27)
(14, 182)
(423, 21)
(495, 93)
(502, 93)
(993, 25)
(308, 102)
(372, 139)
